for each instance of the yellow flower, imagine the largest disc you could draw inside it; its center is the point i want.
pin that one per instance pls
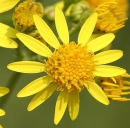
(112, 14)
(6, 5)
(3, 91)
(23, 15)
(110, 17)
(114, 87)
(70, 68)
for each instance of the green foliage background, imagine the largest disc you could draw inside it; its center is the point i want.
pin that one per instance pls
(92, 113)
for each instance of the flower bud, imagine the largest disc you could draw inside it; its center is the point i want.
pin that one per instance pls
(23, 15)
(79, 11)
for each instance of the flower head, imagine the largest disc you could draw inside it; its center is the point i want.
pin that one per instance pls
(23, 15)
(70, 68)
(116, 87)
(110, 17)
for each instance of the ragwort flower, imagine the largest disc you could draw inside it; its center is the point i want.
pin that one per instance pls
(110, 17)
(23, 15)
(112, 14)
(116, 87)
(70, 68)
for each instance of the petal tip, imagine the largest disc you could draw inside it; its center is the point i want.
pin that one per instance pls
(19, 95)
(107, 102)
(29, 108)
(7, 90)
(8, 66)
(56, 122)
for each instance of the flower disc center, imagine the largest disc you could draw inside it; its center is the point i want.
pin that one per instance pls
(71, 66)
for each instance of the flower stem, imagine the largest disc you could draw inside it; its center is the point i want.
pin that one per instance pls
(11, 85)
(76, 28)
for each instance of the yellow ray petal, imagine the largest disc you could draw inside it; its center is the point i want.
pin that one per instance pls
(110, 84)
(125, 93)
(108, 71)
(35, 86)
(8, 31)
(3, 91)
(112, 96)
(126, 82)
(126, 75)
(7, 42)
(6, 5)
(61, 105)
(73, 104)
(2, 112)
(61, 26)
(121, 99)
(100, 42)
(97, 93)
(46, 32)
(34, 45)
(1, 126)
(108, 56)
(27, 67)
(126, 88)
(87, 29)
(41, 96)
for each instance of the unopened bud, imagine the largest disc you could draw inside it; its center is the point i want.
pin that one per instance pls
(23, 15)
(79, 11)
(49, 12)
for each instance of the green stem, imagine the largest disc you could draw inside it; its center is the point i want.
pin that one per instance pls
(12, 80)
(75, 29)
(11, 85)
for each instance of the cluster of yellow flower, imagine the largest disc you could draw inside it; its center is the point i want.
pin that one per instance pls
(70, 66)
